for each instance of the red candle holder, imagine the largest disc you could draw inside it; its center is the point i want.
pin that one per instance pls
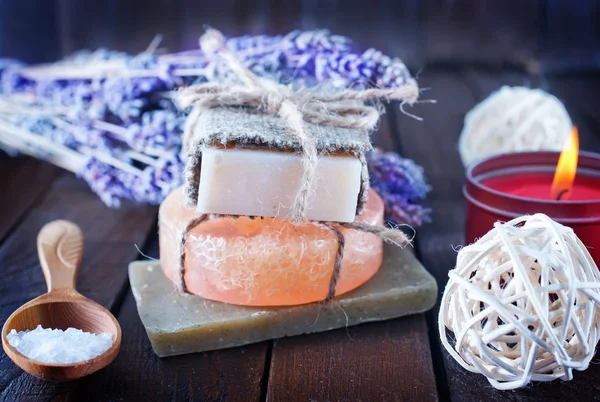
(486, 205)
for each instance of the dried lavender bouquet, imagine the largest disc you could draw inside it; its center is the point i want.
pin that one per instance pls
(109, 117)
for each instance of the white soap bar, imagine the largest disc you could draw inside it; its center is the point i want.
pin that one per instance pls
(257, 182)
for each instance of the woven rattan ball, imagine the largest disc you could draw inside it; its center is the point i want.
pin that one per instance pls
(522, 304)
(514, 119)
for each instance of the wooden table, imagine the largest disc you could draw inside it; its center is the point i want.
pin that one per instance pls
(394, 360)
(462, 50)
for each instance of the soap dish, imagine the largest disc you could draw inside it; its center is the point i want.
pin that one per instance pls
(178, 323)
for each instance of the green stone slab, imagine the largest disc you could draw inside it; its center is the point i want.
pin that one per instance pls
(179, 323)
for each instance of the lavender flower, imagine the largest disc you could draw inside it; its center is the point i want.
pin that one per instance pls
(11, 80)
(5, 63)
(109, 183)
(151, 185)
(159, 129)
(127, 97)
(86, 56)
(317, 41)
(129, 125)
(370, 68)
(401, 184)
(256, 42)
(44, 128)
(78, 95)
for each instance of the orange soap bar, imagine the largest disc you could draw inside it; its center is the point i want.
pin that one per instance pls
(265, 261)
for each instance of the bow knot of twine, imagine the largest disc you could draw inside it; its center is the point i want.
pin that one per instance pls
(341, 108)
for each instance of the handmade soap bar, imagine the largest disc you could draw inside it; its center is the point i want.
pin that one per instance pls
(268, 261)
(256, 182)
(178, 323)
(240, 163)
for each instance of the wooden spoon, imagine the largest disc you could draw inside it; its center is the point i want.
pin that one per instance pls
(60, 249)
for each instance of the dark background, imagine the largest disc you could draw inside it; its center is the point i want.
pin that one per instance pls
(461, 49)
(546, 36)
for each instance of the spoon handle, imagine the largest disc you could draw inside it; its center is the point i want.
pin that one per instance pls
(60, 249)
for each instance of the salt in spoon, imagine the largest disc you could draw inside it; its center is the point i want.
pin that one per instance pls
(60, 249)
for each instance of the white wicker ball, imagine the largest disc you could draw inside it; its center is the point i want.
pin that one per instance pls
(514, 119)
(522, 304)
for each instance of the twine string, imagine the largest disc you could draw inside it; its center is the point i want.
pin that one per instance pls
(182, 246)
(337, 265)
(389, 235)
(338, 109)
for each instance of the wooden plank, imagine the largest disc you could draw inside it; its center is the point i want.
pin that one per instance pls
(384, 137)
(367, 362)
(462, 385)
(386, 361)
(232, 17)
(485, 32)
(139, 375)
(396, 32)
(110, 236)
(332, 366)
(26, 180)
(404, 37)
(569, 36)
(284, 16)
(483, 81)
(28, 31)
(432, 143)
(127, 26)
(564, 36)
(251, 16)
(577, 92)
(130, 26)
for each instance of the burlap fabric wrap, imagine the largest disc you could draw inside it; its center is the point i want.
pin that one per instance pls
(238, 128)
(248, 111)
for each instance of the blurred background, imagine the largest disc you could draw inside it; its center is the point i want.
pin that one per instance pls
(538, 36)
(461, 49)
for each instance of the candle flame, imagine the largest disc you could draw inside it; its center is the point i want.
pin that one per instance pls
(566, 168)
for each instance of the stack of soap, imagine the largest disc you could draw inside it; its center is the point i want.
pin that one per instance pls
(278, 215)
(246, 169)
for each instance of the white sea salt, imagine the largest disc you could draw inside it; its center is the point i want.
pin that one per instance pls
(56, 346)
